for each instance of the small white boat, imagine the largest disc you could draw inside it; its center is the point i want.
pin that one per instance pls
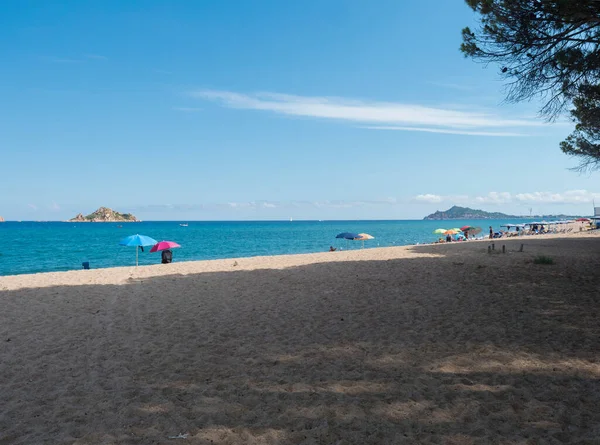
(184, 225)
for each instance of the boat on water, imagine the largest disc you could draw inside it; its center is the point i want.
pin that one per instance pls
(183, 225)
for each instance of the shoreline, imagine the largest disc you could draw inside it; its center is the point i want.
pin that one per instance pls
(121, 274)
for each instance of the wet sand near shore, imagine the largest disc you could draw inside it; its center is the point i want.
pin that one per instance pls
(420, 344)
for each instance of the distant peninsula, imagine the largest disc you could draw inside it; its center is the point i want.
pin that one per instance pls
(104, 214)
(456, 212)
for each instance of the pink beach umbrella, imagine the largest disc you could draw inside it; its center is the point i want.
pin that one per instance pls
(164, 245)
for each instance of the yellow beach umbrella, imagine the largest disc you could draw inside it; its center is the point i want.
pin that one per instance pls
(362, 237)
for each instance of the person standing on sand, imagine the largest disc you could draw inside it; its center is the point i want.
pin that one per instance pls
(491, 233)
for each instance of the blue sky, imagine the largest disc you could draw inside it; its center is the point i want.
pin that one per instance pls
(265, 110)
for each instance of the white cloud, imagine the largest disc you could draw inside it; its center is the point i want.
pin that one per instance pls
(32, 206)
(494, 198)
(567, 197)
(398, 116)
(54, 206)
(447, 131)
(429, 198)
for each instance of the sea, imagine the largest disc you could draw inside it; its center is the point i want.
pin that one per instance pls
(32, 247)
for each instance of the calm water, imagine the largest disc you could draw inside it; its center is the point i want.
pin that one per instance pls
(30, 247)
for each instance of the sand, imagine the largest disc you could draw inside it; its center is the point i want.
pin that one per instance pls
(442, 344)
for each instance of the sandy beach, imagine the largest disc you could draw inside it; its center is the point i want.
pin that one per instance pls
(442, 344)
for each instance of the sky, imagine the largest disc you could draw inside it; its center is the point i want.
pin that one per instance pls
(233, 110)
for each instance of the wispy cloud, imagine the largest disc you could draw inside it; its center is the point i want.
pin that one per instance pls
(187, 109)
(382, 115)
(264, 205)
(497, 198)
(32, 206)
(568, 197)
(54, 206)
(447, 131)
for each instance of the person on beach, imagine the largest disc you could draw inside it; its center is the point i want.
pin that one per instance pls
(332, 249)
(448, 238)
(491, 233)
(167, 256)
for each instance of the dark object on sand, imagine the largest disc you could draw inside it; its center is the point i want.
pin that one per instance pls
(167, 256)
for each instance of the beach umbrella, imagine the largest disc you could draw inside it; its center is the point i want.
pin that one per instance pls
(475, 230)
(362, 237)
(439, 231)
(164, 245)
(456, 229)
(583, 220)
(466, 228)
(137, 241)
(347, 235)
(451, 232)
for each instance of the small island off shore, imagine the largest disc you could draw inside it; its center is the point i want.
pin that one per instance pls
(104, 214)
(456, 212)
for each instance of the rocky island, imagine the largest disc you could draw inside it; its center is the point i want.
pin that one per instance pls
(104, 214)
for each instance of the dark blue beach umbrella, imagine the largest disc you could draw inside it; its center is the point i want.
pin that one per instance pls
(137, 241)
(347, 235)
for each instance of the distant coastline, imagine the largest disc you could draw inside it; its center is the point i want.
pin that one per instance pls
(456, 212)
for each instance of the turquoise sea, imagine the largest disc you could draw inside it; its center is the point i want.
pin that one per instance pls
(30, 247)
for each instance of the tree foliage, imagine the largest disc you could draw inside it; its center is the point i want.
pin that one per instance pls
(584, 142)
(547, 48)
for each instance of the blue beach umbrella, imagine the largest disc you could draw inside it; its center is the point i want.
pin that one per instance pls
(137, 241)
(347, 235)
